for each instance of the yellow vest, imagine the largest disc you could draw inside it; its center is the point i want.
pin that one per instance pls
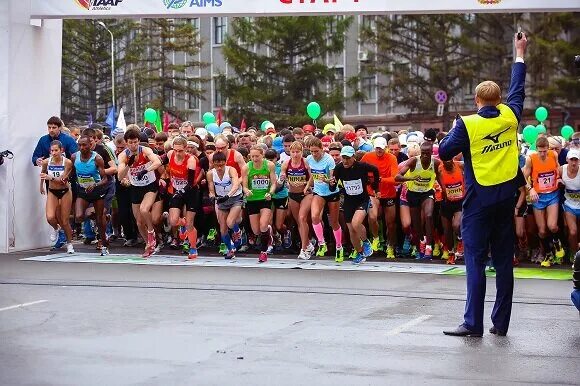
(493, 144)
(426, 179)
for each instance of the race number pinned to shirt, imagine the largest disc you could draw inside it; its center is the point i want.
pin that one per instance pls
(354, 187)
(85, 181)
(546, 181)
(147, 178)
(454, 192)
(319, 175)
(260, 183)
(178, 183)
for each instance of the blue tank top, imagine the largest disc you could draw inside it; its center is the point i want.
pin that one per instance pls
(87, 171)
(283, 193)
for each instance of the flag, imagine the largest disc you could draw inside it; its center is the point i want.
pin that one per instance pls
(219, 117)
(111, 118)
(243, 125)
(337, 123)
(158, 124)
(121, 124)
(165, 121)
(90, 119)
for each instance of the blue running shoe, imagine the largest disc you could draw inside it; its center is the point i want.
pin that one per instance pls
(367, 249)
(359, 259)
(406, 247)
(60, 241)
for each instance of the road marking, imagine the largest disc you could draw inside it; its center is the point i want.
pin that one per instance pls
(409, 324)
(22, 305)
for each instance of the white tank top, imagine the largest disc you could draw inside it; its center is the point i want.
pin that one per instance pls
(572, 193)
(223, 186)
(55, 170)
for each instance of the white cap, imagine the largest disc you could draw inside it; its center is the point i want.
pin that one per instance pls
(403, 139)
(201, 133)
(380, 143)
(573, 153)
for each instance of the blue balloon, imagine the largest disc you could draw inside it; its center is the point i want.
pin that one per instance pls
(278, 144)
(224, 125)
(213, 128)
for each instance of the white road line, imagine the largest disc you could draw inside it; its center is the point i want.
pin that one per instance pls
(23, 305)
(409, 324)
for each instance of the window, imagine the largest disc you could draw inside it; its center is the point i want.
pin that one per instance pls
(218, 97)
(333, 24)
(369, 22)
(337, 85)
(194, 23)
(369, 86)
(219, 29)
(193, 99)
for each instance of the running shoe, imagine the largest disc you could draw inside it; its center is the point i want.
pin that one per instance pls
(547, 261)
(436, 250)
(359, 259)
(182, 232)
(422, 246)
(185, 247)
(428, 255)
(451, 259)
(53, 235)
(70, 249)
(223, 249)
(490, 268)
(237, 238)
(151, 239)
(559, 251)
(231, 255)
(406, 246)
(459, 250)
(515, 261)
(104, 251)
(131, 243)
(200, 242)
(60, 240)
(414, 254)
(304, 255)
(339, 257)
(445, 255)
(192, 254)
(321, 250)
(263, 257)
(353, 254)
(211, 235)
(375, 244)
(287, 242)
(310, 249)
(367, 249)
(149, 250)
(390, 252)
(174, 244)
(243, 248)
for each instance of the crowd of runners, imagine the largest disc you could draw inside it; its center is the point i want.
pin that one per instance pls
(303, 191)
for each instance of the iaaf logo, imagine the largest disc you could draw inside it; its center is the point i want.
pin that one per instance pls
(98, 5)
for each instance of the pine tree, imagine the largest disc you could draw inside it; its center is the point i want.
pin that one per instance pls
(150, 58)
(280, 66)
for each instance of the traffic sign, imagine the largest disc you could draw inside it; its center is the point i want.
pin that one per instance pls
(440, 96)
(440, 109)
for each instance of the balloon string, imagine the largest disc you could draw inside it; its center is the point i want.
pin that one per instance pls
(314, 122)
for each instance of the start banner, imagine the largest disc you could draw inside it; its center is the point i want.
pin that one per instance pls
(86, 9)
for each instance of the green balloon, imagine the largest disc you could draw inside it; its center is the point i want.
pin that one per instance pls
(541, 114)
(208, 118)
(530, 134)
(264, 124)
(150, 115)
(567, 132)
(541, 129)
(313, 110)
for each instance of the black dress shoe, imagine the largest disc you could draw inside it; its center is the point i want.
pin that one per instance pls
(497, 332)
(462, 331)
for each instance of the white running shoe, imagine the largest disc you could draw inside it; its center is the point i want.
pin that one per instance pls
(304, 255)
(310, 249)
(104, 251)
(70, 249)
(53, 235)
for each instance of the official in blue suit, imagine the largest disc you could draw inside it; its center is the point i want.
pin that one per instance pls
(488, 141)
(42, 150)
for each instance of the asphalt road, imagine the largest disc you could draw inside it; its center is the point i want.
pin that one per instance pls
(100, 324)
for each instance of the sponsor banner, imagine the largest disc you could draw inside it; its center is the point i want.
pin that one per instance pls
(45, 9)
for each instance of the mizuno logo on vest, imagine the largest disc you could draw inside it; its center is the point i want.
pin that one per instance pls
(490, 148)
(495, 138)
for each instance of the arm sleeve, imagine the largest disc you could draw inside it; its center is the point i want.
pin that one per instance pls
(457, 141)
(517, 92)
(72, 148)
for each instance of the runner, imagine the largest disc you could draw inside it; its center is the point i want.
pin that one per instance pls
(183, 191)
(91, 181)
(224, 185)
(233, 157)
(259, 181)
(354, 177)
(543, 168)
(388, 170)
(297, 172)
(321, 166)
(283, 235)
(56, 170)
(419, 173)
(140, 163)
(452, 183)
(571, 181)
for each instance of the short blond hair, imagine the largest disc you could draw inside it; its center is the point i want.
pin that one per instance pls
(488, 92)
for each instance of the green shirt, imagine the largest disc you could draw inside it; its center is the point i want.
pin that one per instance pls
(258, 181)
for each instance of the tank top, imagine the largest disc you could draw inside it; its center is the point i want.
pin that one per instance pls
(297, 177)
(178, 173)
(572, 186)
(545, 173)
(231, 161)
(453, 182)
(426, 179)
(282, 193)
(258, 181)
(224, 185)
(140, 164)
(55, 170)
(87, 171)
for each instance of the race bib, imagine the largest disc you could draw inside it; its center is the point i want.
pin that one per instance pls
(260, 183)
(546, 181)
(353, 188)
(178, 183)
(85, 181)
(296, 180)
(318, 175)
(147, 178)
(573, 195)
(55, 171)
(454, 192)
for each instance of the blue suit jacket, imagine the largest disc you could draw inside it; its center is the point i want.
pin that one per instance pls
(42, 149)
(457, 141)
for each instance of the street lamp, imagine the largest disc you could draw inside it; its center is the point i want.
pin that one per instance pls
(112, 60)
